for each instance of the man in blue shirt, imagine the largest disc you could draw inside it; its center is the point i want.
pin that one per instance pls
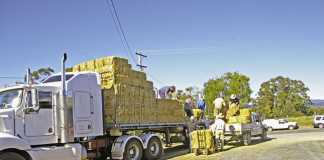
(201, 105)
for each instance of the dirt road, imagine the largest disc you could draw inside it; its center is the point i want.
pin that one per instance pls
(282, 145)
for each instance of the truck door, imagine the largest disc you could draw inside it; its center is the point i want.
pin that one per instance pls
(82, 113)
(41, 122)
(283, 124)
(256, 125)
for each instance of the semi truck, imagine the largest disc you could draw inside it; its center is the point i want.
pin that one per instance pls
(62, 118)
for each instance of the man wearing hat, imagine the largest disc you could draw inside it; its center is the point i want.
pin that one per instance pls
(234, 106)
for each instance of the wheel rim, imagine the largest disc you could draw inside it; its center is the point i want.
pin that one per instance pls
(133, 152)
(154, 148)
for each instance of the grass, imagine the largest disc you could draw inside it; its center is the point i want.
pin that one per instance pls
(302, 121)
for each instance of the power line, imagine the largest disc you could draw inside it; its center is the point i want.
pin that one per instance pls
(116, 26)
(10, 77)
(120, 29)
(178, 53)
(178, 49)
(122, 35)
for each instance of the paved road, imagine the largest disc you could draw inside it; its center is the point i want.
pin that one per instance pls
(303, 130)
(302, 144)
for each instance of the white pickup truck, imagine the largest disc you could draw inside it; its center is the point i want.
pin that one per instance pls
(276, 124)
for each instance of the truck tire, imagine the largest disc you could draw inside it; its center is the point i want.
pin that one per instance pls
(291, 127)
(264, 135)
(11, 156)
(247, 138)
(154, 149)
(186, 134)
(133, 150)
(321, 126)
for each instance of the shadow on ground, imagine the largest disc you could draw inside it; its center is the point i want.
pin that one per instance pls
(236, 144)
(181, 150)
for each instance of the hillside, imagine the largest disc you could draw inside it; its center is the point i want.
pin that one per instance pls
(318, 102)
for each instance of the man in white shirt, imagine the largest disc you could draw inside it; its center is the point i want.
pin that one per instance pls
(219, 104)
(219, 130)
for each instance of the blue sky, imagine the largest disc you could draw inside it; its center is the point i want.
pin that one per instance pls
(259, 38)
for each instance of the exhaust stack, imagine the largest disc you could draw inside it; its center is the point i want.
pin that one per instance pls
(28, 78)
(63, 109)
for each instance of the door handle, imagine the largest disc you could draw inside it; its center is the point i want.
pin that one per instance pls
(50, 130)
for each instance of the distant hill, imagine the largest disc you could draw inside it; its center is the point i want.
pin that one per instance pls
(318, 102)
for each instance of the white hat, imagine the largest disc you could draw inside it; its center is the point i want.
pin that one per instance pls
(233, 96)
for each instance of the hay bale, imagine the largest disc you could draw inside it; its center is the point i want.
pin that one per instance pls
(128, 96)
(245, 112)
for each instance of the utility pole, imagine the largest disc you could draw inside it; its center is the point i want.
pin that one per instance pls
(140, 57)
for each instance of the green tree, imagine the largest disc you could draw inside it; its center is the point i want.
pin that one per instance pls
(281, 97)
(227, 84)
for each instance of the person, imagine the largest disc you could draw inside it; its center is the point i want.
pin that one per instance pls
(201, 105)
(220, 105)
(234, 107)
(219, 130)
(171, 93)
(167, 92)
(188, 107)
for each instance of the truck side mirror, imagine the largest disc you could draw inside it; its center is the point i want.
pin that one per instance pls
(32, 101)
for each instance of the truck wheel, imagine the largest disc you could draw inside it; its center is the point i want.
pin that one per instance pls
(247, 138)
(154, 149)
(11, 156)
(186, 142)
(269, 129)
(264, 135)
(291, 127)
(321, 126)
(133, 150)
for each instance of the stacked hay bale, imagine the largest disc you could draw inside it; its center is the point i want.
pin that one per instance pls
(128, 96)
(169, 111)
(243, 117)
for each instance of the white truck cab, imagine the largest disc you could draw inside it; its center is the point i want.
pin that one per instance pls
(276, 124)
(318, 121)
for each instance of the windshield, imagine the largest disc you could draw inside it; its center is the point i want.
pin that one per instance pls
(57, 78)
(10, 99)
